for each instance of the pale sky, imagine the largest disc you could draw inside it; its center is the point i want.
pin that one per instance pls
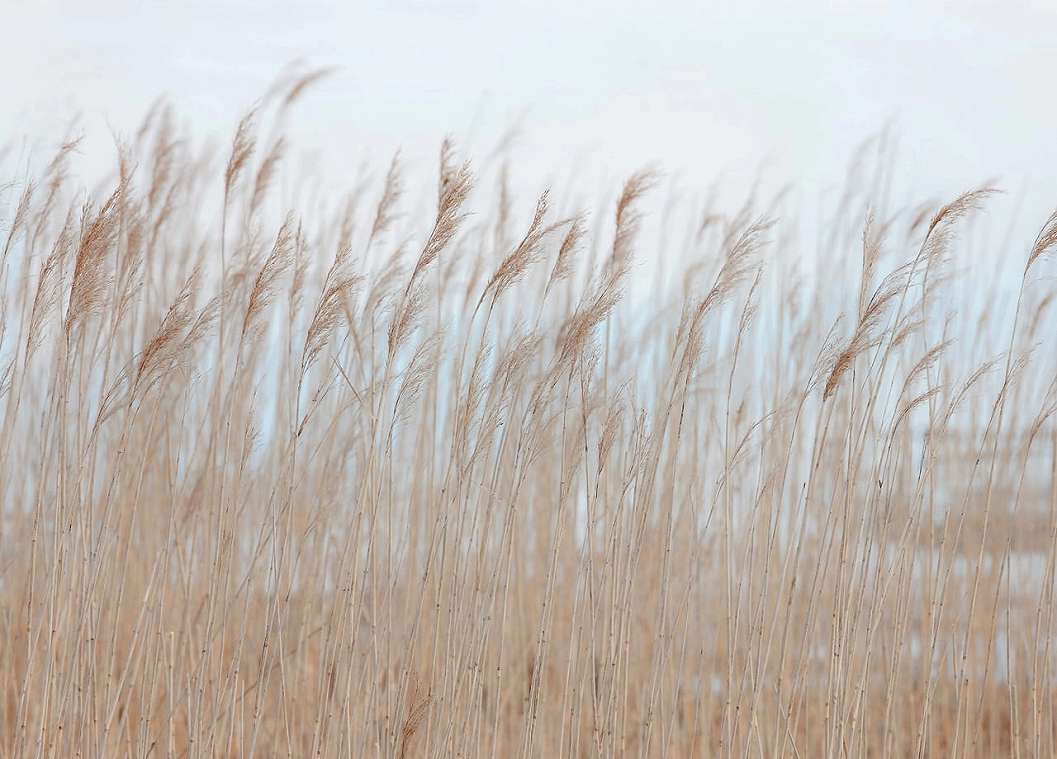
(697, 88)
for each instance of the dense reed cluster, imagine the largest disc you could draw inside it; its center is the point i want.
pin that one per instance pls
(432, 470)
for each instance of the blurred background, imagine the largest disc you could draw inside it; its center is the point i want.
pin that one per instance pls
(599, 88)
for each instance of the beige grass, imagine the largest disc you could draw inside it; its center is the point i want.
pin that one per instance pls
(306, 474)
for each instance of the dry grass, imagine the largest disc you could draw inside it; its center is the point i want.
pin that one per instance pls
(286, 474)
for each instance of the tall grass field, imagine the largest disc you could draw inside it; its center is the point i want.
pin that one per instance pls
(431, 462)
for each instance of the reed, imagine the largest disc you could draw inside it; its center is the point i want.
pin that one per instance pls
(285, 472)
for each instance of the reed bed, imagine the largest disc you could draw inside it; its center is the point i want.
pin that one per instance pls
(435, 466)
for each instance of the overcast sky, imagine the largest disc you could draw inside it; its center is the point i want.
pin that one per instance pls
(699, 88)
